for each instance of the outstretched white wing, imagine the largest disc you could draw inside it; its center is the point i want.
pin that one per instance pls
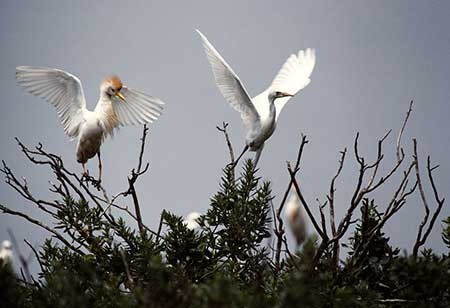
(231, 86)
(291, 78)
(62, 89)
(139, 108)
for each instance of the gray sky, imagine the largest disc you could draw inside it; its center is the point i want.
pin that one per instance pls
(372, 59)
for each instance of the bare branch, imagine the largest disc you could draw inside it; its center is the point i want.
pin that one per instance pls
(35, 254)
(330, 198)
(438, 200)
(321, 232)
(396, 203)
(279, 231)
(379, 158)
(399, 138)
(22, 189)
(300, 152)
(125, 264)
(42, 225)
(133, 178)
(141, 152)
(359, 159)
(362, 190)
(223, 129)
(322, 215)
(421, 239)
(424, 201)
(158, 233)
(126, 210)
(22, 259)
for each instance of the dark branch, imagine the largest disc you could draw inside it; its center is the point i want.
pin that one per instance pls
(42, 225)
(422, 237)
(223, 129)
(279, 230)
(399, 149)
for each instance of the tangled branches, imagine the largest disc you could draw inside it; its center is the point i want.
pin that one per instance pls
(68, 187)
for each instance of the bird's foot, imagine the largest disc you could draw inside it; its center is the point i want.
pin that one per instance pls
(97, 183)
(231, 165)
(85, 177)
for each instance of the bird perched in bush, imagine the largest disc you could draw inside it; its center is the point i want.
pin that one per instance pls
(118, 105)
(6, 252)
(295, 215)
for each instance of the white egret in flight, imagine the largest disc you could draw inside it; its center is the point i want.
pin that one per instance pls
(117, 105)
(296, 217)
(260, 113)
(191, 221)
(6, 253)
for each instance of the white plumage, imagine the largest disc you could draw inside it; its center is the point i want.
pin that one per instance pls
(6, 253)
(260, 113)
(295, 215)
(117, 105)
(292, 77)
(191, 221)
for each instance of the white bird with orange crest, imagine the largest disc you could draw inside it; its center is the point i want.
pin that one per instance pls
(260, 113)
(117, 106)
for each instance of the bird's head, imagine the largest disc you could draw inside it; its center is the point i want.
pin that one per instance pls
(6, 245)
(277, 94)
(112, 86)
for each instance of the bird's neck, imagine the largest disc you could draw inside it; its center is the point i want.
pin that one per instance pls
(106, 113)
(272, 109)
(104, 102)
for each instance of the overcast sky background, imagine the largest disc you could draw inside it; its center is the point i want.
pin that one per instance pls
(373, 57)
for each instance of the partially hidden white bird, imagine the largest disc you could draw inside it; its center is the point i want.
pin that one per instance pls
(118, 105)
(296, 217)
(260, 113)
(191, 221)
(6, 253)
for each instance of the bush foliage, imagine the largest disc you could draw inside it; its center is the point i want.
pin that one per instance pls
(237, 257)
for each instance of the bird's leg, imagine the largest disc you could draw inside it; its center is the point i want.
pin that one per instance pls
(237, 160)
(258, 155)
(85, 173)
(99, 167)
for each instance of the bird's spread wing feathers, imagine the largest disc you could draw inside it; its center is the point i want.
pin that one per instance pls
(139, 108)
(231, 86)
(295, 72)
(291, 78)
(62, 89)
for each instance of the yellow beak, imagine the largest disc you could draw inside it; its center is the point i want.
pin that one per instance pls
(120, 95)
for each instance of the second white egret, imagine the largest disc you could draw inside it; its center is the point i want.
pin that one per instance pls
(260, 113)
